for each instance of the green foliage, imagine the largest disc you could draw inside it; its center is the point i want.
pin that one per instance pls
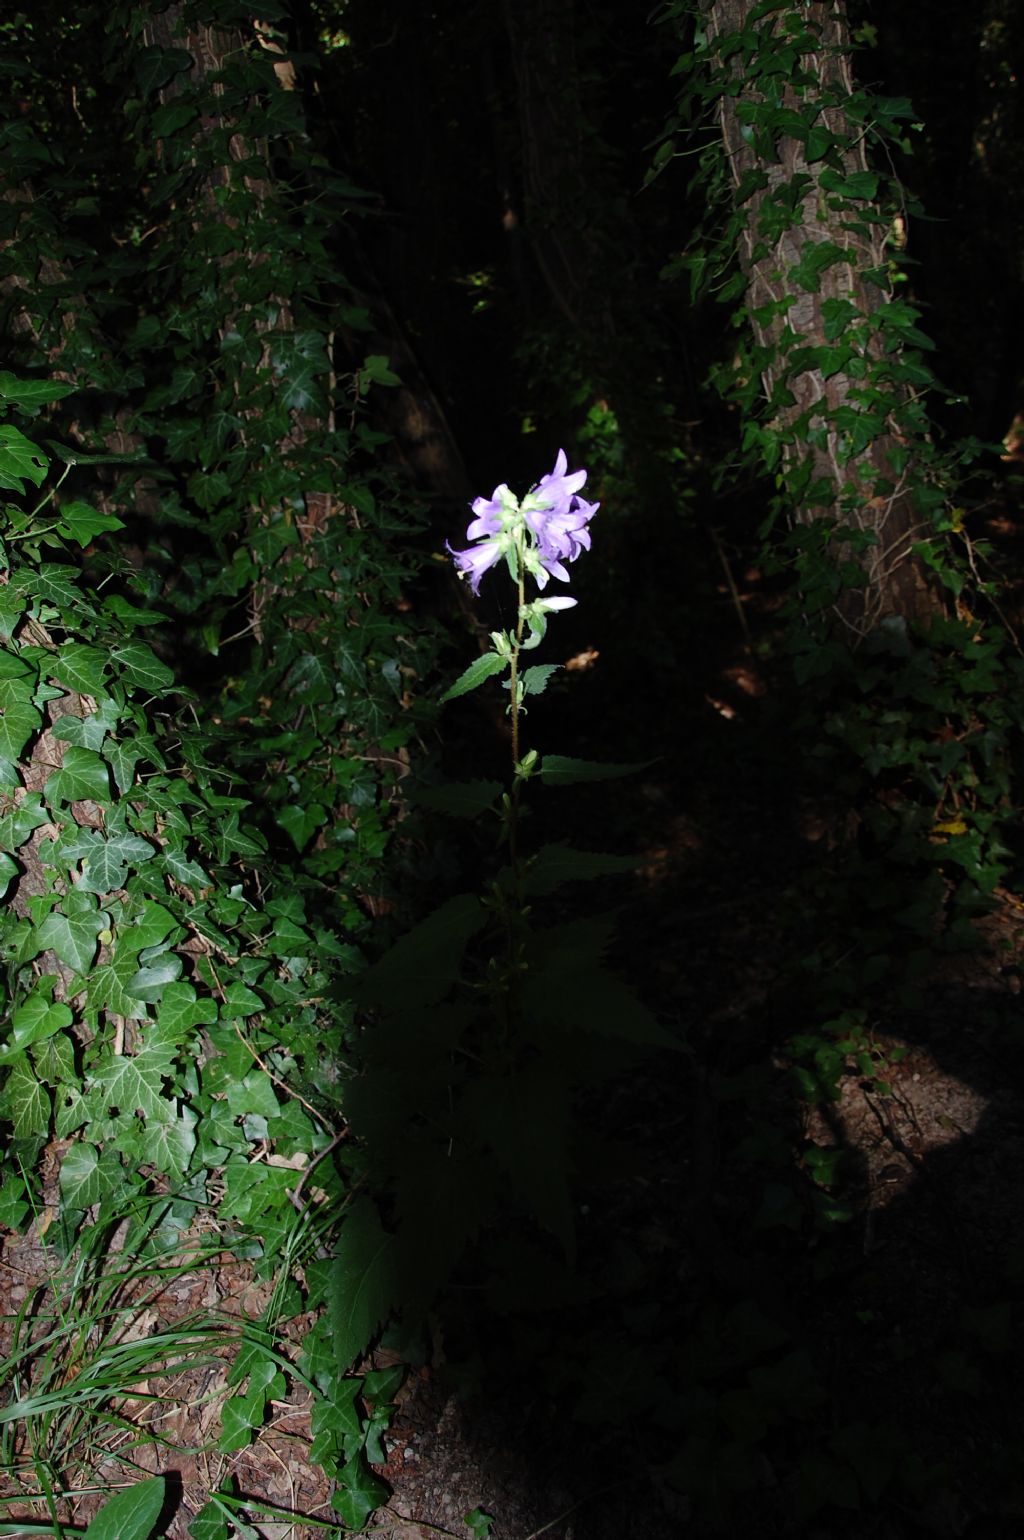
(131, 1514)
(917, 723)
(179, 726)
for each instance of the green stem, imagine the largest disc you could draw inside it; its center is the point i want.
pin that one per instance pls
(513, 814)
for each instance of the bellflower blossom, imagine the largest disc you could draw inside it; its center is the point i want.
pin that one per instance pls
(544, 531)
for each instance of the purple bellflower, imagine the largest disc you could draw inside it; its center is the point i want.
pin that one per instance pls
(546, 530)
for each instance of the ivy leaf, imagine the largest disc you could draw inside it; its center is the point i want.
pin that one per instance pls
(376, 370)
(170, 1140)
(130, 1515)
(105, 868)
(56, 585)
(149, 983)
(142, 667)
(147, 929)
(819, 142)
(359, 1493)
(72, 936)
(122, 759)
(154, 67)
(32, 393)
(8, 869)
(83, 777)
(39, 1017)
(301, 823)
(185, 871)
(815, 257)
(27, 1101)
(19, 721)
(240, 1001)
(17, 825)
(90, 731)
(180, 1010)
(80, 667)
(562, 770)
(13, 665)
(85, 1178)
(135, 1082)
(240, 1416)
(480, 669)
(310, 678)
(363, 1285)
(82, 523)
(20, 460)
(107, 988)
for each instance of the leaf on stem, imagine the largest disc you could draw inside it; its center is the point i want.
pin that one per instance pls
(479, 670)
(562, 770)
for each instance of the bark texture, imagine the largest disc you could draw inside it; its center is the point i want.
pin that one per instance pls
(896, 583)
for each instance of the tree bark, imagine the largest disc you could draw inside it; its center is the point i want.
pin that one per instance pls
(865, 491)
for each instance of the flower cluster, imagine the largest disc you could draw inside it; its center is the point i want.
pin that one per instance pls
(543, 532)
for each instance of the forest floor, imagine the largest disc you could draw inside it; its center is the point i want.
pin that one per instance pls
(833, 1348)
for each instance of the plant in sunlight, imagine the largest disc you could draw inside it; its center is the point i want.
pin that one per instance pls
(483, 1022)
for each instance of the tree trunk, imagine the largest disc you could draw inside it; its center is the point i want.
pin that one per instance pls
(796, 290)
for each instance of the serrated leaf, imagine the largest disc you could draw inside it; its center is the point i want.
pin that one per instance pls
(130, 1515)
(534, 680)
(72, 936)
(80, 668)
(140, 666)
(555, 864)
(421, 967)
(592, 1000)
(524, 1119)
(19, 721)
(363, 1286)
(463, 799)
(479, 670)
(83, 777)
(562, 770)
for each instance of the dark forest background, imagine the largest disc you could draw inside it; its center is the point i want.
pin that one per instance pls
(686, 1156)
